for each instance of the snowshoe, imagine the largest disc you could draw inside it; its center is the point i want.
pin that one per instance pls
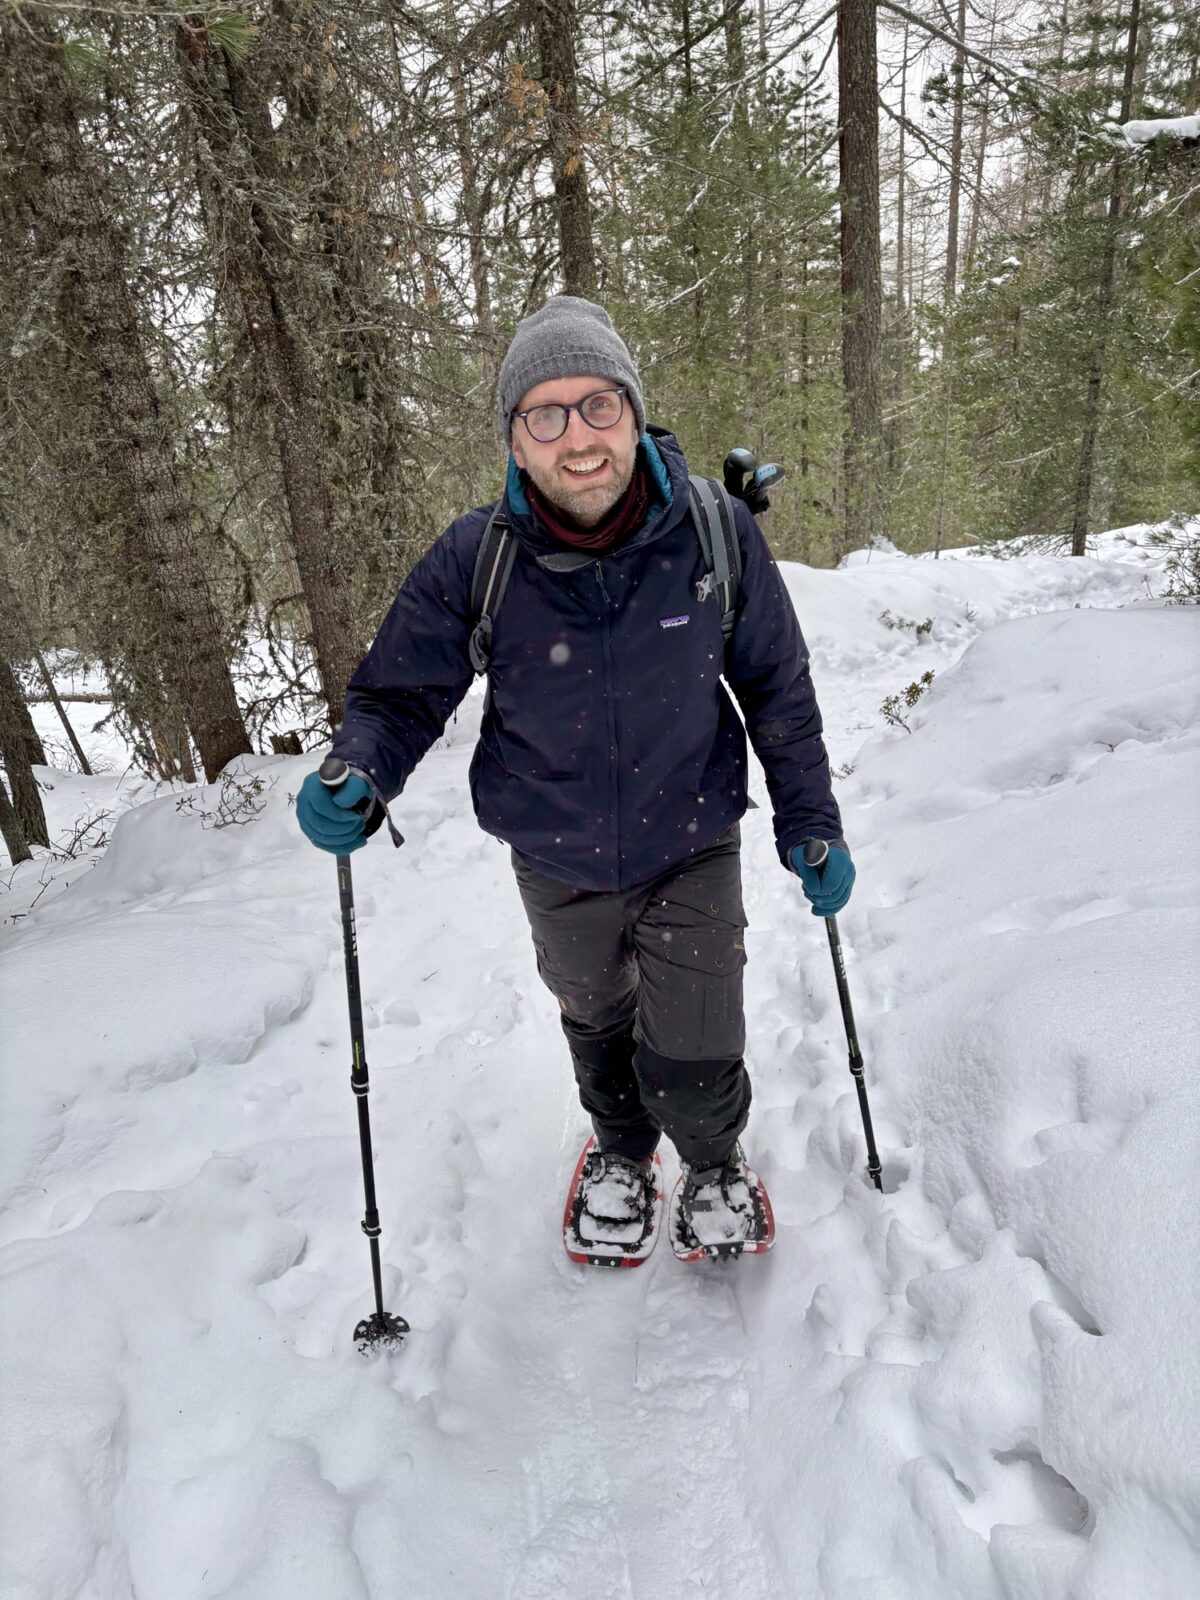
(614, 1206)
(720, 1212)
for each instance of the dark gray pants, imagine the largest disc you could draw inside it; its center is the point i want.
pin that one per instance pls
(649, 982)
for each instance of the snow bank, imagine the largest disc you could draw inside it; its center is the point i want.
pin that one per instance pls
(1037, 838)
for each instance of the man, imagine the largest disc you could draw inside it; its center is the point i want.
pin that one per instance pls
(612, 761)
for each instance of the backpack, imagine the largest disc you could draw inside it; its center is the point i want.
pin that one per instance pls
(712, 515)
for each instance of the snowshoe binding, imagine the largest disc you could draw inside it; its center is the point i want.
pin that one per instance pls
(614, 1206)
(720, 1212)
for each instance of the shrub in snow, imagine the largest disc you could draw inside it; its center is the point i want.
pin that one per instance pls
(894, 707)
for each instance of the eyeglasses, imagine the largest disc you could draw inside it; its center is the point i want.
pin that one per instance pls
(603, 409)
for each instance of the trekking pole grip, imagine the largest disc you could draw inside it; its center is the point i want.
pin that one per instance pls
(816, 852)
(333, 772)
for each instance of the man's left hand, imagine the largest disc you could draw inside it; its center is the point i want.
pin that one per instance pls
(827, 886)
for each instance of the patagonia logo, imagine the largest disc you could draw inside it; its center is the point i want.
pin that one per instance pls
(673, 622)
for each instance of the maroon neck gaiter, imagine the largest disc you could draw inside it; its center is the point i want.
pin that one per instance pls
(624, 518)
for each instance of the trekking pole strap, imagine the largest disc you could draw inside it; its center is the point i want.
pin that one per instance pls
(333, 772)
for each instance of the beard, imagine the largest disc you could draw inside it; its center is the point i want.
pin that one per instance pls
(588, 503)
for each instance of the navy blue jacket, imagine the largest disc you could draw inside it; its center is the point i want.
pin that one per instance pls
(610, 750)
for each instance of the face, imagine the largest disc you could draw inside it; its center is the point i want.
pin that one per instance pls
(587, 470)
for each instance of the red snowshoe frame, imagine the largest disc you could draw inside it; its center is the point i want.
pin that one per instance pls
(588, 1252)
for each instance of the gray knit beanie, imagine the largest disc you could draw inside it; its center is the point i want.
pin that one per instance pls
(567, 338)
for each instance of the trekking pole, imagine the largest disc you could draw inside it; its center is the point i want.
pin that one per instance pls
(381, 1330)
(815, 852)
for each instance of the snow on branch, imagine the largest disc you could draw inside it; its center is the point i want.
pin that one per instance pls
(1135, 134)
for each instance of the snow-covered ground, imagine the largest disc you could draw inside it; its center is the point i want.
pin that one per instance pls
(979, 1384)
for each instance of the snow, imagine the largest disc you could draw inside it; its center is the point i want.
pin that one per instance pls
(979, 1384)
(1142, 132)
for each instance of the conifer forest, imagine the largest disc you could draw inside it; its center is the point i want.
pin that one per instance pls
(941, 260)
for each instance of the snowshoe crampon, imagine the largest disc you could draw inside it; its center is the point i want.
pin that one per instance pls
(613, 1209)
(720, 1214)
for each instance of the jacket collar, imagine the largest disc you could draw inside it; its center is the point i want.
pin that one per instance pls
(663, 459)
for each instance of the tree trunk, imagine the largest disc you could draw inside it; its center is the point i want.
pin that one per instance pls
(236, 161)
(1104, 302)
(693, 224)
(75, 225)
(803, 335)
(14, 626)
(748, 329)
(862, 293)
(56, 700)
(900, 340)
(977, 192)
(980, 160)
(20, 748)
(958, 72)
(900, 178)
(16, 724)
(1064, 23)
(11, 830)
(763, 95)
(557, 26)
(174, 759)
(20, 745)
(474, 211)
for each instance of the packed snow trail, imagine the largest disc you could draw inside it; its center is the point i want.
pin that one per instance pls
(978, 1384)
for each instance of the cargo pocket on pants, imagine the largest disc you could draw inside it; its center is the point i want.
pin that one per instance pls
(690, 994)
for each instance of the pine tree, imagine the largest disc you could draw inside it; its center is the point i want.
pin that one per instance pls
(69, 220)
(862, 284)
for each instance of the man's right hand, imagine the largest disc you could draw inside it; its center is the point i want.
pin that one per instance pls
(338, 820)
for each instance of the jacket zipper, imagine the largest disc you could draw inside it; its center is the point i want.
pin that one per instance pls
(610, 703)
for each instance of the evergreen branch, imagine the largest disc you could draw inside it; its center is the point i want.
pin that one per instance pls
(1034, 455)
(1161, 395)
(815, 160)
(730, 10)
(132, 13)
(682, 294)
(789, 49)
(1179, 201)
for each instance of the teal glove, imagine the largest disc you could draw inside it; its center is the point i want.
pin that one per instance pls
(827, 886)
(338, 820)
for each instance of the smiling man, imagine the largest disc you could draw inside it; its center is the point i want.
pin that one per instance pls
(572, 472)
(612, 761)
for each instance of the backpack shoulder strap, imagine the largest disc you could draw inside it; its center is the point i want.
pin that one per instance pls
(493, 567)
(712, 512)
